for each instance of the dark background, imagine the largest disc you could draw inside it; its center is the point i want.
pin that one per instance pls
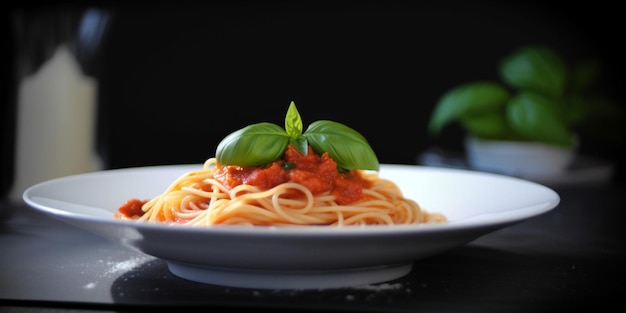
(175, 77)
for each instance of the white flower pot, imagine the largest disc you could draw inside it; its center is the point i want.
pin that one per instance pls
(520, 159)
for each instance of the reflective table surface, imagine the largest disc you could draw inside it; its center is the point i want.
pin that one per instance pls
(569, 258)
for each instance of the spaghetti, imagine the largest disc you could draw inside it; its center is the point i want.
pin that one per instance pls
(296, 190)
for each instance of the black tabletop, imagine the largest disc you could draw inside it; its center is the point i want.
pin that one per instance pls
(568, 258)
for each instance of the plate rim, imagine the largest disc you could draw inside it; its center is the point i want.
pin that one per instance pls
(303, 230)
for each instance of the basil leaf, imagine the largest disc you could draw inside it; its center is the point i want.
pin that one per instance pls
(293, 122)
(253, 145)
(536, 117)
(293, 126)
(488, 124)
(263, 143)
(344, 145)
(466, 100)
(535, 68)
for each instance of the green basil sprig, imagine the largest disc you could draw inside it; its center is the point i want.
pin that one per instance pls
(540, 99)
(263, 143)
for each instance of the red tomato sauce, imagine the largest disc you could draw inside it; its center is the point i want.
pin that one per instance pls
(317, 173)
(132, 208)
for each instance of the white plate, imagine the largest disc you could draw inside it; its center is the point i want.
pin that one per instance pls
(304, 257)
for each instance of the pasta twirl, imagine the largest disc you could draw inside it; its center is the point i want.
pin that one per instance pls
(199, 198)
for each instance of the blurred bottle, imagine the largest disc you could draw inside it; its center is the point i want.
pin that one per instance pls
(56, 96)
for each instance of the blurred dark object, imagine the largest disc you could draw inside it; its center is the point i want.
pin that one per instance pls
(35, 113)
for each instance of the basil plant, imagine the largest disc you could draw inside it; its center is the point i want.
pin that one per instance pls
(541, 99)
(263, 143)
